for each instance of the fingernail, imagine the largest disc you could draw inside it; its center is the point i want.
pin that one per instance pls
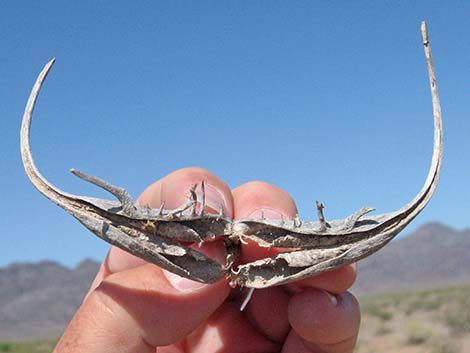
(268, 213)
(214, 199)
(181, 283)
(332, 298)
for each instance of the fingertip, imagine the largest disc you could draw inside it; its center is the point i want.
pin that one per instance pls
(296, 344)
(324, 318)
(172, 190)
(272, 323)
(258, 199)
(261, 197)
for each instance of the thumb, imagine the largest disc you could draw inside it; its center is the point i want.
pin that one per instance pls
(139, 309)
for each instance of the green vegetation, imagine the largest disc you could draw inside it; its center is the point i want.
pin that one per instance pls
(417, 333)
(433, 321)
(453, 302)
(457, 313)
(383, 330)
(440, 344)
(27, 347)
(379, 309)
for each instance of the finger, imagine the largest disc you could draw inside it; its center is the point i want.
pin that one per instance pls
(254, 197)
(115, 261)
(168, 190)
(273, 324)
(324, 322)
(139, 308)
(252, 200)
(295, 343)
(257, 199)
(227, 331)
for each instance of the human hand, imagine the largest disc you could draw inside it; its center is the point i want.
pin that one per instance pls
(133, 306)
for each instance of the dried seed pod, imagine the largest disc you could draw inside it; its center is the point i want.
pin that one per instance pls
(159, 236)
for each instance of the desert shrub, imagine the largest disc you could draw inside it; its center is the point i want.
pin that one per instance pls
(429, 302)
(377, 310)
(423, 301)
(361, 347)
(417, 334)
(457, 315)
(443, 345)
(5, 347)
(383, 330)
(27, 347)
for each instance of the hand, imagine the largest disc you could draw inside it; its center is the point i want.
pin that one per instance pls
(133, 306)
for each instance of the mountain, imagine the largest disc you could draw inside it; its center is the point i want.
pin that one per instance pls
(434, 255)
(37, 300)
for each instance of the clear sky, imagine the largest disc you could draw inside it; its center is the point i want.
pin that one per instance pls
(328, 100)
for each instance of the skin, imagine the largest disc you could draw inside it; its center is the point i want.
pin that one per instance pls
(133, 306)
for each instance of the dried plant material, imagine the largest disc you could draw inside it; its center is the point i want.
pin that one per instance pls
(161, 236)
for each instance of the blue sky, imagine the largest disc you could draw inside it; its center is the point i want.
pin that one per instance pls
(328, 100)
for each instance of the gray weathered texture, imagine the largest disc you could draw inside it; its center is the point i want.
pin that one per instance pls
(156, 234)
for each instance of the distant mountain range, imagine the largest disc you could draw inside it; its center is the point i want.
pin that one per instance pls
(433, 256)
(37, 300)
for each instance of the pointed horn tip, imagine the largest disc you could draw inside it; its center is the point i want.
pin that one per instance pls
(424, 32)
(50, 63)
(74, 171)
